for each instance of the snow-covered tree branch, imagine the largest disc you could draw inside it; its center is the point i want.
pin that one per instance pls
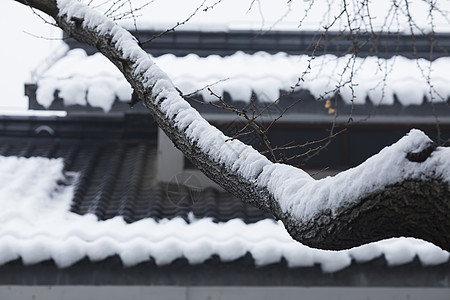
(402, 191)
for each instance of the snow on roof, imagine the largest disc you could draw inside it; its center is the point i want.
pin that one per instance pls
(37, 226)
(83, 79)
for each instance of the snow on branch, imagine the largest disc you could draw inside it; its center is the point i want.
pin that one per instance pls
(389, 195)
(303, 197)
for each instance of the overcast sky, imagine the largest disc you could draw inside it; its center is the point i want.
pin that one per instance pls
(20, 51)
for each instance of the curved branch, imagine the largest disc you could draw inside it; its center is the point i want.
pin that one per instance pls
(387, 196)
(407, 208)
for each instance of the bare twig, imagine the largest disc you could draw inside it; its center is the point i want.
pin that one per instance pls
(175, 26)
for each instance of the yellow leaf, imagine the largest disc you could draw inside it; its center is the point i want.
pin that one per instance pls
(328, 103)
(331, 110)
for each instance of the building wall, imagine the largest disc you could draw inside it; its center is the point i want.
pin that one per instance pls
(213, 293)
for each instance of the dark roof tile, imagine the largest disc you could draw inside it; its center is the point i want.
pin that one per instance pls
(118, 178)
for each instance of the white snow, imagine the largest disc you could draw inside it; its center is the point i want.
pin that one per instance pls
(28, 188)
(37, 226)
(242, 74)
(303, 196)
(82, 80)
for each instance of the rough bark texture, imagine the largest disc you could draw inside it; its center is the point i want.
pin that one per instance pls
(408, 208)
(418, 208)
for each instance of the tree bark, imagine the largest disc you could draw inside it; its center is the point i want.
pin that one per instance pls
(412, 207)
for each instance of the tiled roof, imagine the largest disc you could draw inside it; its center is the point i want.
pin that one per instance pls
(117, 178)
(112, 172)
(383, 87)
(204, 43)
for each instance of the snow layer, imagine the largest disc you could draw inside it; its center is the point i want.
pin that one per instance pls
(242, 74)
(29, 189)
(83, 80)
(37, 226)
(303, 196)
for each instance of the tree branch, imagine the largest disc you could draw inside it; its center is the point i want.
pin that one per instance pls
(387, 196)
(47, 6)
